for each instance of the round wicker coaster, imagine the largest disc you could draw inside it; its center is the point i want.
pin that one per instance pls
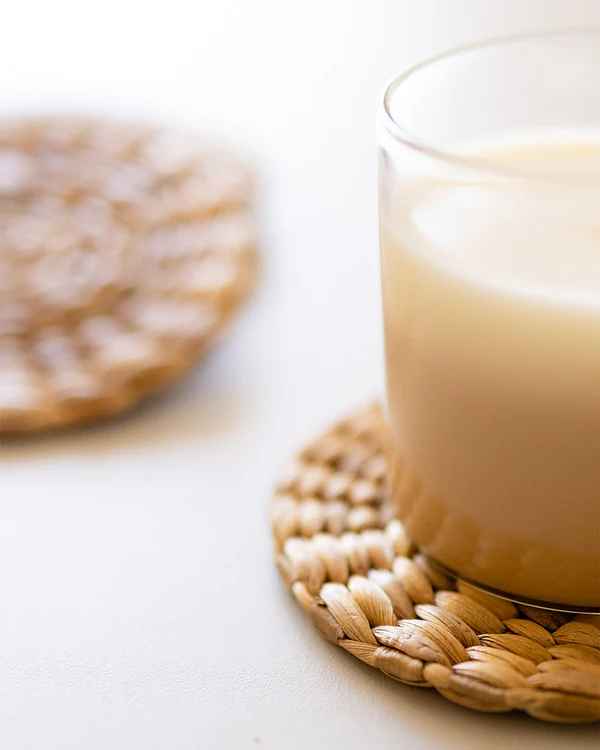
(125, 249)
(353, 570)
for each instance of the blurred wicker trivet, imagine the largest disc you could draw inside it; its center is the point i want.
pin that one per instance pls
(352, 569)
(125, 249)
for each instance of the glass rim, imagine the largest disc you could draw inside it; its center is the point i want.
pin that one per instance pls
(409, 138)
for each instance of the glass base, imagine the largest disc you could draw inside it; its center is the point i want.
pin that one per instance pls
(515, 599)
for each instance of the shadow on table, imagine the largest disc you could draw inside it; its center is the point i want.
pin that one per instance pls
(444, 725)
(210, 402)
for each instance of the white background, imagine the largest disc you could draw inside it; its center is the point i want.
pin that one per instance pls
(139, 606)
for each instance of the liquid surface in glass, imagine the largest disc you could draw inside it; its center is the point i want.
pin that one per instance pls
(492, 323)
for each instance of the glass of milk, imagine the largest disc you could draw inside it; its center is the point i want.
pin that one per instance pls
(490, 258)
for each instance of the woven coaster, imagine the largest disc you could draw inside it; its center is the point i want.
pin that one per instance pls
(353, 570)
(125, 249)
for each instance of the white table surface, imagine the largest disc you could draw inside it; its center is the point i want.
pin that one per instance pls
(140, 608)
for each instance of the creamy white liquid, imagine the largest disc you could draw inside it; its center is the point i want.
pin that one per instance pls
(492, 314)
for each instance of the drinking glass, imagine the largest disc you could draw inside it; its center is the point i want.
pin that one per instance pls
(491, 294)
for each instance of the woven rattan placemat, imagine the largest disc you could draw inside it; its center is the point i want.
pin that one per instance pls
(124, 250)
(351, 567)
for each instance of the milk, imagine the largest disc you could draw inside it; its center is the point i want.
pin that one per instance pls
(491, 291)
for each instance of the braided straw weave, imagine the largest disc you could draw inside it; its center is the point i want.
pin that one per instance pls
(125, 249)
(351, 567)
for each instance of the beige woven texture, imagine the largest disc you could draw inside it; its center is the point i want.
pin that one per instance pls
(125, 249)
(352, 569)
